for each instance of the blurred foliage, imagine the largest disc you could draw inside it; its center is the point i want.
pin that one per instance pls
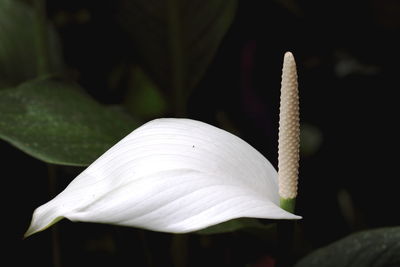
(176, 40)
(377, 248)
(59, 123)
(310, 139)
(18, 58)
(169, 35)
(144, 98)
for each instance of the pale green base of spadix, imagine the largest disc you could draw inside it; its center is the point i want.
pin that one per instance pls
(288, 204)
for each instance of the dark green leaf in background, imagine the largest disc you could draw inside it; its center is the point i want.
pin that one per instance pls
(310, 139)
(59, 123)
(176, 39)
(374, 248)
(18, 53)
(143, 98)
(236, 225)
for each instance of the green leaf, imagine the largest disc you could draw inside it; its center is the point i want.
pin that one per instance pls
(18, 53)
(59, 123)
(176, 39)
(247, 224)
(310, 139)
(378, 248)
(144, 99)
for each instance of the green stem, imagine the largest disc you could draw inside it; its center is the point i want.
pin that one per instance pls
(179, 246)
(43, 68)
(285, 243)
(42, 44)
(176, 52)
(55, 233)
(179, 249)
(146, 248)
(286, 234)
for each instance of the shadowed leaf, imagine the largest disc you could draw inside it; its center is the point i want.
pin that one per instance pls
(378, 248)
(235, 225)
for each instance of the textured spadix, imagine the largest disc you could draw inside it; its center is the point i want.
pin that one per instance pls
(289, 130)
(170, 175)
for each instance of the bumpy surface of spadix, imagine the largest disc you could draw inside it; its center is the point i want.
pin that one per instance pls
(170, 175)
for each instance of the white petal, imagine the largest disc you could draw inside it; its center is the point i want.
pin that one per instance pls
(170, 175)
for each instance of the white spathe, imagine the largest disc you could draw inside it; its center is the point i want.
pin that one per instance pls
(170, 175)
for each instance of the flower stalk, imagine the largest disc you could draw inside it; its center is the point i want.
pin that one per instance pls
(289, 135)
(42, 46)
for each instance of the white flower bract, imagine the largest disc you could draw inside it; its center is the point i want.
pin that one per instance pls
(170, 175)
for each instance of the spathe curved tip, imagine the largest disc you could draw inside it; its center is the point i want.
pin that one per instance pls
(43, 217)
(35, 228)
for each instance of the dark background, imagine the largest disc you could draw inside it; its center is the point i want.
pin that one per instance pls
(347, 56)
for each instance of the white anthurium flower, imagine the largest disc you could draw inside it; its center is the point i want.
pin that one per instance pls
(182, 175)
(170, 175)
